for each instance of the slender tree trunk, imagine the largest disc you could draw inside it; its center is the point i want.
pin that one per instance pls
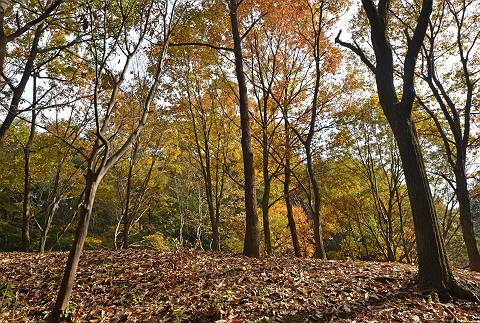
(210, 204)
(466, 221)
(27, 190)
(211, 209)
(406, 250)
(215, 237)
(51, 208)
(48, 224)
(266, 194)
(209, 192)
(127, 221)
(68, 280)
(288, 204)
(389, 242)
(319, 252)
(251, 243)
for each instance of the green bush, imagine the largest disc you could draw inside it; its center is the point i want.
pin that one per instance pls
(156, 241)
(93, 243)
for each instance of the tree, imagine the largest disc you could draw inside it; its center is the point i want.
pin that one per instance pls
(27, 189)
(15, 30)
(251, 243)
(378, 163)
(210, 140)
(434, 272)
(105, 153)
(453, 118)
(264, 51)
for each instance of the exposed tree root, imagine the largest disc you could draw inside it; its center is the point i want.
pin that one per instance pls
(462, 292)
(453, 291)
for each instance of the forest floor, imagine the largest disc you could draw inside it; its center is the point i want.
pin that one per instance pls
(149, 286)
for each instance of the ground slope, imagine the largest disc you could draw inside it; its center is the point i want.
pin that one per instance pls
(143, 285)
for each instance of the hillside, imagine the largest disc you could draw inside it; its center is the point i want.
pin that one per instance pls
(143, 285)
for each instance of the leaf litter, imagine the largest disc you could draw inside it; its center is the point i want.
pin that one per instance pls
(191, 286)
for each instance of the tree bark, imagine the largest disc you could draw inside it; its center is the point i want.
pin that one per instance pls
(466, 221)
(68, 280)
(27, 189)
(13, 109)
(209, 192)
(266, 192)
(434, 272)
(314, 205)
(128, 196)
(50, 213)
(456, 149)
(287, 197)
(251, 242)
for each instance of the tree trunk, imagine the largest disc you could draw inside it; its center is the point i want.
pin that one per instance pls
(466, 221)
(7, 122)
(406, 250)
(128, 196)
(434, 272)
(209, 192)
(390, 236)
(266, 194)
(27, 190)
(319, 252)
(288, 204)
(251, 243)
(19, 90)
(211, 210)
(85, 213)
(27, 198)
(50, 213)
(215, 237)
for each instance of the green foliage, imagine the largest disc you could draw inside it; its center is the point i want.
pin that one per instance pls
(7, 295)
(69, 313)
(93, 243)
(157, 241)
(136, 299)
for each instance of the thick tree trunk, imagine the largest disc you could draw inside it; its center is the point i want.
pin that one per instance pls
(251, 243)
(434, 272)
(466, 221)
(68, 280)
(433, 269)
